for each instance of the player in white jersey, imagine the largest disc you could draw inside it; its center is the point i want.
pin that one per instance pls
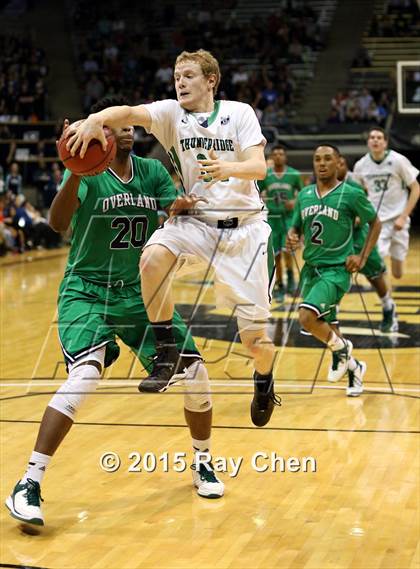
(375, 268)
(217, 149)
(387, 176)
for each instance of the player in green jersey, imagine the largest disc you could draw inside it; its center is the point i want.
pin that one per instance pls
(112, 215)
(325, 213)
(375, 268)
(279, 190)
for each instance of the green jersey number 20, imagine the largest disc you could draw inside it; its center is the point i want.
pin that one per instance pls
(135, 228)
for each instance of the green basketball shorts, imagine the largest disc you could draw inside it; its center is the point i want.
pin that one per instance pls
(322, 289)
(91, 315)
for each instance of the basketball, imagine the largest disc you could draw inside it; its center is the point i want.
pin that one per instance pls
(95, 160)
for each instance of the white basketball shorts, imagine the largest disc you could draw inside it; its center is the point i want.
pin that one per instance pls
(242, 259)
(393, 242)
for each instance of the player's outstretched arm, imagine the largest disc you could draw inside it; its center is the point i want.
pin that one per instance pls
(356, 262)
(114, 117)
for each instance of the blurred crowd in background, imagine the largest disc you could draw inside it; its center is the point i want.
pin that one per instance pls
(263, 58)
(23, 70)
(124, 54)
(364, 106)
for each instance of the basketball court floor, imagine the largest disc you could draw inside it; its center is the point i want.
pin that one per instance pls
(331, 482)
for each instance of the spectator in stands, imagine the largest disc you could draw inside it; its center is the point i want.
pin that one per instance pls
(365, 99)
(38, 233)
(6, 239)
(94, 91)
(51, 187)
(13, 181)
(90, 65)
(41, 178)
(267, 96)
(338, 103)
(25, 101)
(40, 101)
(23, 69)
(13, 234)
(295, 51)
(22, 220)
(7, 150)
(144, 76)
(353, 110)
(239, 75)
(368, 107)
(377, 113)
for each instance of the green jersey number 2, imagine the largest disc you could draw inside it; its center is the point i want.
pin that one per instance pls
(134, 227)
(317, 228)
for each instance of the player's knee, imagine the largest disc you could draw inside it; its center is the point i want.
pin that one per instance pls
(83, 379)
(197, 397)
(307, 318)
(156, 259)
(147, 261)
(263, 348)
(258, 345)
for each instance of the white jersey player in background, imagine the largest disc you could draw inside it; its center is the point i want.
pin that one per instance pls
(217, 149)
(387, 176)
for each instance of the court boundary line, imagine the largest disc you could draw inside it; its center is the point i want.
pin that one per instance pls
(126, 383)
(226, 427)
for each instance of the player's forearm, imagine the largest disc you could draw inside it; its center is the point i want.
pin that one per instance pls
(412, 199)
(118, 117)
(251, 169)
(371, 239)
(65, 204)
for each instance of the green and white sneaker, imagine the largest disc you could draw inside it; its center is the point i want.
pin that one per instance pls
(355, 386)
(340, 362)
(389, 322)
(206, 481)
(24, 502)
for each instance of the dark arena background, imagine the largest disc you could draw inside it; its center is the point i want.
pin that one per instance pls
(331, 481)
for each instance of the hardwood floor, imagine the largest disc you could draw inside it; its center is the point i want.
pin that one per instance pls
(357, 505)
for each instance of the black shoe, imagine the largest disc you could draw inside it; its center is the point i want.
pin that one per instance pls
(264, 399)
(167, 370)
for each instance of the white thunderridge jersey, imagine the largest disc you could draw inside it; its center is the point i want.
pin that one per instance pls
(386, 182)
(187, 137)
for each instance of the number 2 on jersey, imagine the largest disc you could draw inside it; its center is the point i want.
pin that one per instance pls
(317, 228)
(128, 225)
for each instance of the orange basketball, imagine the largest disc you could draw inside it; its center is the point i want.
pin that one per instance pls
(95, 160)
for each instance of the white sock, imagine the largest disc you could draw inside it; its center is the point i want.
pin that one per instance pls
(335, 342)
(36, 467)
(387, 302)
(201, 446)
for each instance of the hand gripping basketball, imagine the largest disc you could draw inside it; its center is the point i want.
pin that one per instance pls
(95, 161)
